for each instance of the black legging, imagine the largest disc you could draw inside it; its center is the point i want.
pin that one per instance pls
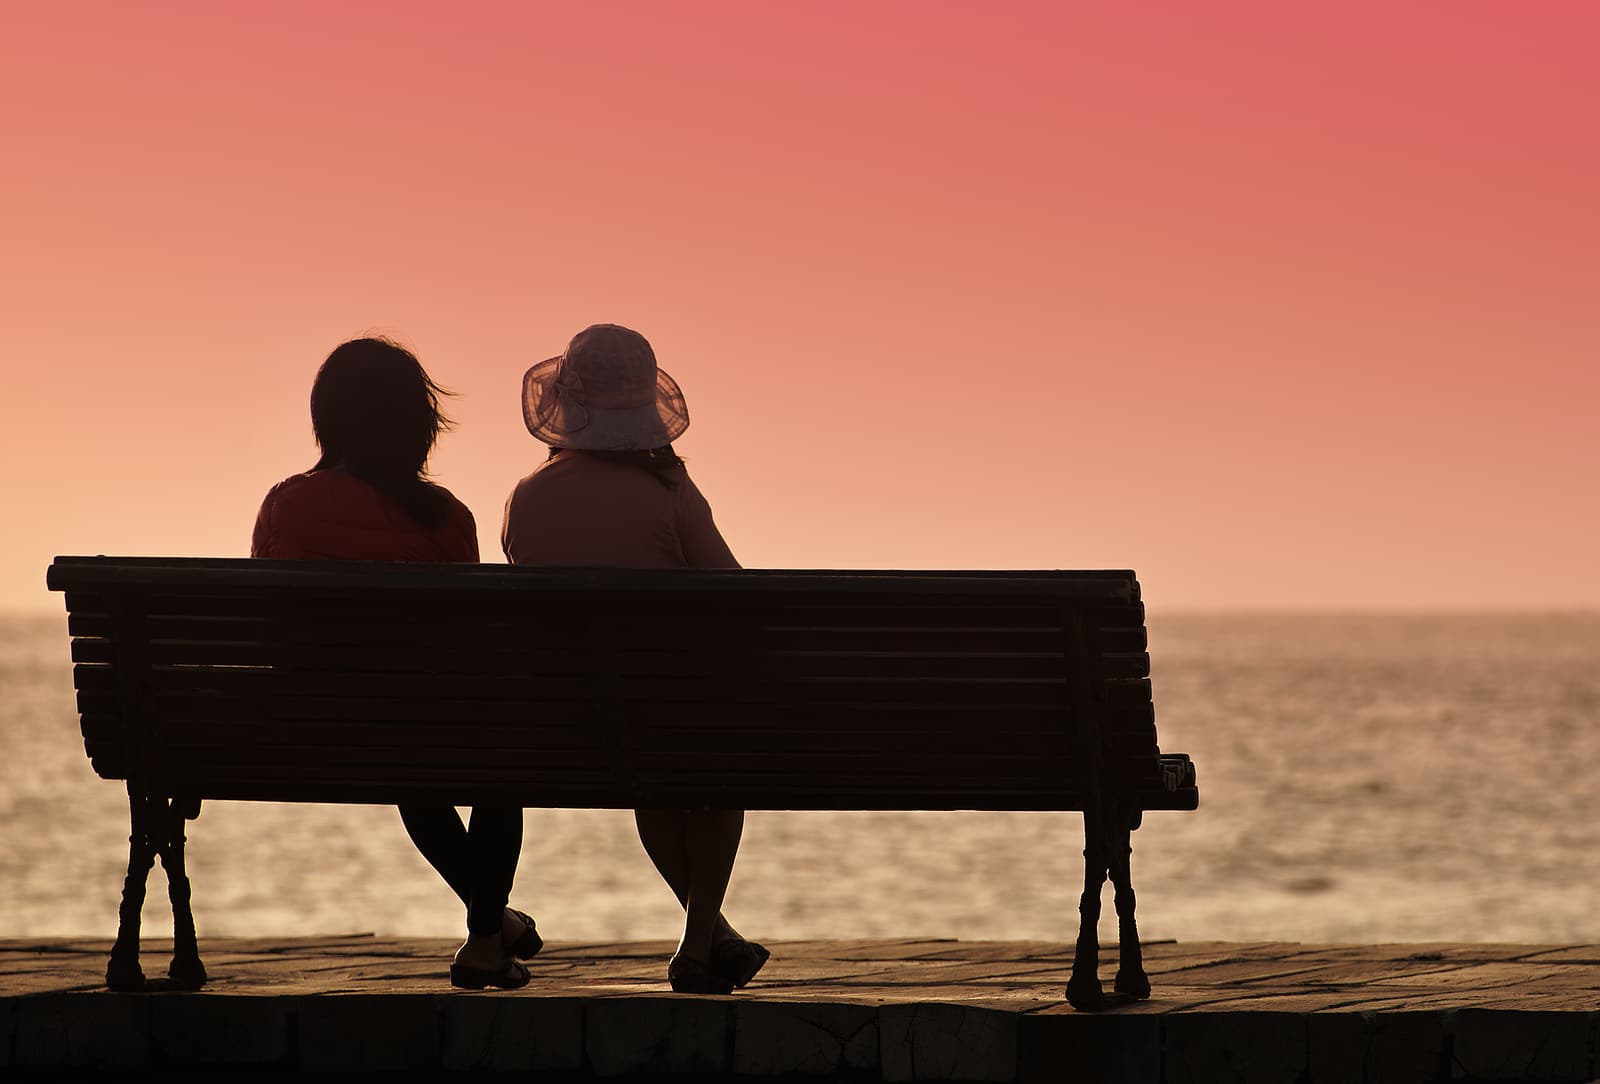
(478, 863)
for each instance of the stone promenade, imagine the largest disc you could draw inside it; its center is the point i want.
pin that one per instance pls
(827, 1010)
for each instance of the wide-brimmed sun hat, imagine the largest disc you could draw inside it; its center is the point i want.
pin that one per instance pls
(605, 393)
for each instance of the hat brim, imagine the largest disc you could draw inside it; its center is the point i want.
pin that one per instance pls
(553, 419)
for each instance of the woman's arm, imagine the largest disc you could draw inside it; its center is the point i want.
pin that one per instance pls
(261, 537)
(703, 545)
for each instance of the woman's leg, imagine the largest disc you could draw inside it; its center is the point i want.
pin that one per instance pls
(711, 842)
(456, 853)
(440, 836)
(665, 835)
(493, 843)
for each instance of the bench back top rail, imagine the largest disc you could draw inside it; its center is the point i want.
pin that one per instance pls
(760, 689)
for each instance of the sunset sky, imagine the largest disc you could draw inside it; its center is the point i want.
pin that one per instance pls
(1281, 305)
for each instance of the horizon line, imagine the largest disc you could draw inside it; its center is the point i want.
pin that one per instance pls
(1189, 610)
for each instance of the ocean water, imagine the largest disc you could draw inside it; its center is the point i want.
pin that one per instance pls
(1363, 778)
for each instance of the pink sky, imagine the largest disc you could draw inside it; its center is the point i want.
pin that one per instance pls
(1281, 307)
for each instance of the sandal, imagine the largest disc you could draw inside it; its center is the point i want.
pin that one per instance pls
(528, 945)
(738, 960)
(510, 976)
(689, 976)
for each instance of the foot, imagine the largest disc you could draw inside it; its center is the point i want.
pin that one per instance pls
(481, 952)
(738, 960)
(518, 936)
(689, 975)
(509, 975)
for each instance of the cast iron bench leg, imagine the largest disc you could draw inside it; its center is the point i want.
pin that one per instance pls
(157, 830)
(186, 971)
(1131, 978)
(1084, 991)
(1101, 844)
(123, 971)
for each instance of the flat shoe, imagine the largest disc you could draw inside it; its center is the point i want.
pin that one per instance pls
(689, 976)
(738, 960)
(510, 976)
(528, 945)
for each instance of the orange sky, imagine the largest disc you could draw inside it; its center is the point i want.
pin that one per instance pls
(1280, 306)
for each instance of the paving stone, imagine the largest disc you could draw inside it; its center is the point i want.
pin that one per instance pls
(500, 1032)
(1499, 973)
(1470, 951)
(1231, 972)
(202, 1029)
(83, 1031)
(1363, 972)
(1509, 1045)
(1518, 999)
(1570, 954)
(904, 949)
(1235, 1047)
(776, 1038)
(380, 1032)
(676, 1034)
(947, 1042)
(1242, 999)
(1060, 1044)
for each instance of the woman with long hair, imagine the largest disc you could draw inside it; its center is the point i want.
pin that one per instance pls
(376, 416)
(613, 492)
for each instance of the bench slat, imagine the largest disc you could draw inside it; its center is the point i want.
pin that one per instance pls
(633, 689)
(766, 795)
(689, 716)
(932, 664)
(234, 628)
(360, 579)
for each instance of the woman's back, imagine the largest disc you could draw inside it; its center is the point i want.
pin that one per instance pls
(579, 509)
(331, 514)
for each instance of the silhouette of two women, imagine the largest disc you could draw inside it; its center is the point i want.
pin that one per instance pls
(612, 492)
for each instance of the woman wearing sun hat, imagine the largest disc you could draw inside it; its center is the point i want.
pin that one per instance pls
(613, 492)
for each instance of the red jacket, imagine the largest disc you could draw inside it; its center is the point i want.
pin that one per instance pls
(333, 515)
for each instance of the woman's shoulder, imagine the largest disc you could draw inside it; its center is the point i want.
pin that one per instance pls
(299, 487)
(330, 491)
(456, 510)
(684, 486)
(338, 494)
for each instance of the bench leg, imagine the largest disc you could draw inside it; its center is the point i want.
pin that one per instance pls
(157, 830)
(1084, 991)
(123, 971)
(186, 971)
(1131, 978)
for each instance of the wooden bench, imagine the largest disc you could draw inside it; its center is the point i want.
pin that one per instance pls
(297, 681)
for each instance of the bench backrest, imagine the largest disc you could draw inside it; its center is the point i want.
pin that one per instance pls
(613, 688)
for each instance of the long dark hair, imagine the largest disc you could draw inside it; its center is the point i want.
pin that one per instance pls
(376, 414)
(663, 462)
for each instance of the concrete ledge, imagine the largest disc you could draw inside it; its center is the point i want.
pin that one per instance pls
(907, 1010)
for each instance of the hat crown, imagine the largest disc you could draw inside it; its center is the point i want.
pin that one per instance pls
(614, 366)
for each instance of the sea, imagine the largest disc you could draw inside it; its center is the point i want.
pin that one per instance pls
(1363, 778)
